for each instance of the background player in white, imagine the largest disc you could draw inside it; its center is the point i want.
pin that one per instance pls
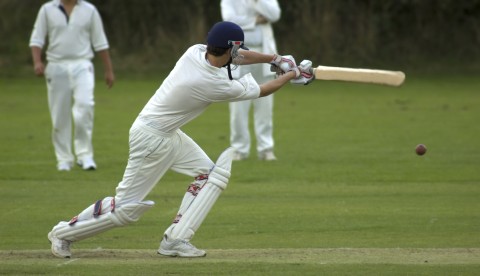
(73, 27)
(255, 17)
(157, 144)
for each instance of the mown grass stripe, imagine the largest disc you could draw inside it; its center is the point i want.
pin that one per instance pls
(283, 255)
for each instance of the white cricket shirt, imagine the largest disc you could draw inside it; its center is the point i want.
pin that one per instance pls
(69, 38)
(190, 88)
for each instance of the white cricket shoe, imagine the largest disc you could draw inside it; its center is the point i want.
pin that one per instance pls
(237, 156)
(180, 248)
(64, 166)
(60, 248)
(267, 156)
(87, 164)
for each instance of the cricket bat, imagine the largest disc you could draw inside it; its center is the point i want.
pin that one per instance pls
(374, 76)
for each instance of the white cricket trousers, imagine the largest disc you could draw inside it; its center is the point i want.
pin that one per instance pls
(70, 95)
(152, 153)
(262, 117)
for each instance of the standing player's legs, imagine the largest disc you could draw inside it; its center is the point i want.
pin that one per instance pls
(263, 121)
(239, 129)
(83, 111)
(239, 121)
(263, 118)
(60, 105)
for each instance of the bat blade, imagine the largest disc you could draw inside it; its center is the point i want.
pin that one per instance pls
(374, 76)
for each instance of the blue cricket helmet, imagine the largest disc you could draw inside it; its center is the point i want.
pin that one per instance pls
(226, 34)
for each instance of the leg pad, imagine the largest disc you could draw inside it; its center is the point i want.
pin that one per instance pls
(206, 198)
(123, 215)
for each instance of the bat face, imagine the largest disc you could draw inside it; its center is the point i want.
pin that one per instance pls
(374, 76)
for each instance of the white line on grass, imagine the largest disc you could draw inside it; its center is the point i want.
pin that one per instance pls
(67, 262)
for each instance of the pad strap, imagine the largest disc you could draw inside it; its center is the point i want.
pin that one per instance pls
(97, 209)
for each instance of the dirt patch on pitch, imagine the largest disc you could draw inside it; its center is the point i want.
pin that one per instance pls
(285, 255)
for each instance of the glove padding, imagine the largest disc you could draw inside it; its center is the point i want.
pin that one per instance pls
(306, 73)
(284, 64)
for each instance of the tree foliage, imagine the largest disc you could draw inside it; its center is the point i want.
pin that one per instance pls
(154, 33)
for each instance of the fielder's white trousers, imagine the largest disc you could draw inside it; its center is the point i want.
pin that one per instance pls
(70, 96)
(262, 117)
(152, 154)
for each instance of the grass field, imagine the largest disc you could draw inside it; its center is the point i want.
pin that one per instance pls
(348, 195)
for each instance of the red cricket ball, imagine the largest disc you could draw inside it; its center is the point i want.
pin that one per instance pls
(420, 149)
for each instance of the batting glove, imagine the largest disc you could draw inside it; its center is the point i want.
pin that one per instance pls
(284, 64)
(306, 73)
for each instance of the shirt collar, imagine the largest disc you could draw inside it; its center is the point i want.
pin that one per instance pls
(59, 2)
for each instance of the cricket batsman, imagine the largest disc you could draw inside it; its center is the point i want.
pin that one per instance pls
(202, 76)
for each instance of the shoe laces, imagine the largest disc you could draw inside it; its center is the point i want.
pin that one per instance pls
(187, 243)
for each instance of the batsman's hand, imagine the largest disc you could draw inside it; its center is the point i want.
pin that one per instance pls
(306, 73)
(284, 64)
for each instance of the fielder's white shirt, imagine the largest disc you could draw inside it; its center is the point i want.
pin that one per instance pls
(190, 88)
(259, 37)
(69, 38)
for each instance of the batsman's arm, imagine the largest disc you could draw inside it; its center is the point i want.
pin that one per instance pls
(285, 63)
(252, 57)
(275, 84)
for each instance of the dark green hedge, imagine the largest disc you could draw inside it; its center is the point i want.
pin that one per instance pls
(401, 33)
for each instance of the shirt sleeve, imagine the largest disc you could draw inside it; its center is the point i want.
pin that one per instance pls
(230, 12)
(270, 9)
(245, 88)
(39, 32)
(99, 39)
